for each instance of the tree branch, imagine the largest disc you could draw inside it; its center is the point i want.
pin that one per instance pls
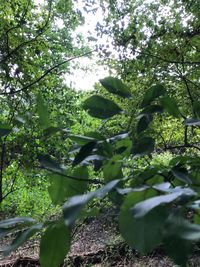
(44, 74)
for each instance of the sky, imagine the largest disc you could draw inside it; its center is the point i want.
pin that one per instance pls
(84, 72)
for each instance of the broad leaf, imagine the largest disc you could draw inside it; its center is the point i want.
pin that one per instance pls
(113, 169)
(84, 152)
(192, 122)
(143, 146)
(62, 187)
(143, 123)
(151, 109)
(80, 139)
(142, 208)
(22, 237)
(4, 130)
(73, 207)
(170, 105)
(153, 93)
(48, 163)
(181, 174)
(196, 107)
(43, 112)
(15, 221)
(115, 86)
(54, 245)
(100, 107)
(145, 233)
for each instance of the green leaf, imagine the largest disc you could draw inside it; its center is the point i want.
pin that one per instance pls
(143, 146)
(181, 174)
(14, 221)
(192, 122)
(151, 109)
(113, 169)
(5, 130)
(100, 107)
(142, 208)
(196, 107)
(48, 163)
(145, 233)
(170, 105)
(80, 139)
(84, 152)
(73, 207)
(178, 237)
(54, 245)
(43, 113)
(143, 123)
(22, 237)
(115, 86)
(178, 249)
(153, 93)
(62, 187)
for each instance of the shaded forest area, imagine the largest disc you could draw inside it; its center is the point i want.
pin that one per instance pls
(114, 170)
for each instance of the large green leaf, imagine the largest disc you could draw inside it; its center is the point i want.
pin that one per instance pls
(100, 107)
(73, 207)
(80, 139)
(115, 86)
(145, 233)
(113, 169)
(170, 105)
(5, 130)
(50, 164)
(43, 112)
(54, 245)
(143, 146)
(153, 93)
(192, 122)
(62, 187)
(142, 208)
(15, 221)
(84, 152)
(143, 123)
(181, 174)
(22, 237)
(196, 107)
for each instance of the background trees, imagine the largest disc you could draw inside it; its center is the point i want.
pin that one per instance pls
(120, 153)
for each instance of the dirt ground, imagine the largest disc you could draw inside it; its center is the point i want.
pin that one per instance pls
(95, 243)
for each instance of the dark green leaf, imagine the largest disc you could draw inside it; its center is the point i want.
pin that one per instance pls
(153, 93)
(170, 105)
(43, 112)
(113, 169)
(14, 221)
(192, 122)
(54, 245)
(181, 174)
(143, 146)
(115, 86)
(73, 207)
(100, 107)
(48, 163)
(143, 123)
(151, 109)
(22, 237)
(196, 107)
(62, 187)
(142, 208)
(84, 152)
(81, 140)
(145, 233)
(4, 130)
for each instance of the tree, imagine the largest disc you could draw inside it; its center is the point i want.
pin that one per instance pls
(153, 198)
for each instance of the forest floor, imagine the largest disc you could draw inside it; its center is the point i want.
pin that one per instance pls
(95, 243)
